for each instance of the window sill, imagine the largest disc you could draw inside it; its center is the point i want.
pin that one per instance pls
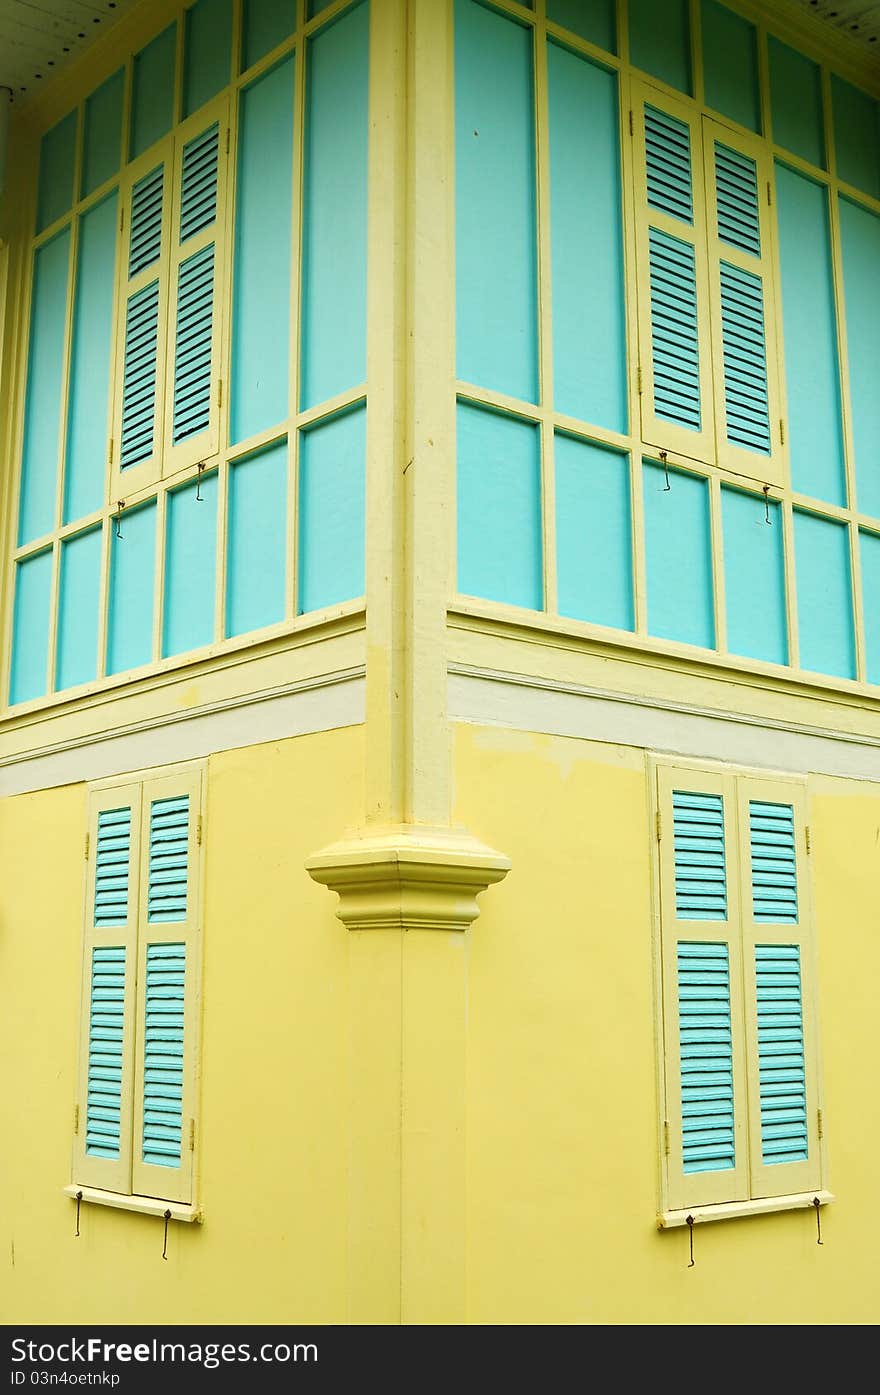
(731, 1210)
(146, 1205)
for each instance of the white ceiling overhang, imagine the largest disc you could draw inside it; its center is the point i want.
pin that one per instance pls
(40, 37)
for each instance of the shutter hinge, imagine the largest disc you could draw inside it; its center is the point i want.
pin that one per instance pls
(658, 820)
(769, 195)
(199, 830)
(808, 839)
(632, 128)
(639, 379)
(666, 1137)
(781, 431)
(192, 1135)
(819, 1125)
(76, 1118)
(88, 845)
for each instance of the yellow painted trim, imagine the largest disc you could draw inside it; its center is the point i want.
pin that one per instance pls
(146, 1205)
(762, 1206)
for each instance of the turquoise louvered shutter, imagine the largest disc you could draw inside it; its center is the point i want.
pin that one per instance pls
(781, 1063)
(192, 351)
(145, 233)
(140, 409)
(700, 860)
(773, 862)
(140, 369)
(706, 1046)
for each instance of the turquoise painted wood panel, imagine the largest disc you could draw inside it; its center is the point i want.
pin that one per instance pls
(265, 24)
(856, 136)
(132, 590)
(333, 352)
(730, 65)
(256, 559)
(699, 855)
(57, 159)
(78, 610)
(152, 93)
(112, 862)
(706, 1047)
(90, 361)
(261, 276)
(106, 1033)
(162, 1134)
(30, 628)
(796, 102)
(824, 595)
(331, 511)
(594, 20)
(102, 133)
(870, 553)
(39, 465)
(190, 567)
(782, 1073)
(754, 577)
(660, 40)
(207, 52)
(594, 578)
(860, 243)
(589, 369)
(678, 553)
(499, 508)
(812, 371)
(495, 230)
(168, 878)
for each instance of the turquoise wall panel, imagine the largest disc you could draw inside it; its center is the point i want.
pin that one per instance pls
(856, 136)
(261, 276)
(30, 628)
(257, 541)
(594, 579)
(87, 425)
(591, 19)
(678, 552)
(78, 610)
(132, 590)
(824, 595)
(152, 94)
(207, 52)
(589, 368)
(754, 577)
(265, 24)
(860, 242)
(331, 511)
(334, 273)
(812, 373)
(499, 508)
(39, 466)
(870, 553)
(190, 567)
(57, 159)
(796, 102)
(660, 40)
(495, 235)
(102, 137)
(730, 65)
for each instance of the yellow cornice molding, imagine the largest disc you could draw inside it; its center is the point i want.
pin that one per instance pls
(408, 878)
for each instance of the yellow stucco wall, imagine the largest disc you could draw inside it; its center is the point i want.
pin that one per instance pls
(561, 1092)
(274, 1108)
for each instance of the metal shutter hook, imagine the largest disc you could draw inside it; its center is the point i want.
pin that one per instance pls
(667, 488)
(120, 505)
(690, 1226)
(79, 1197)
(817, 1203)
(767, 519)
(167, 1215)
(201, 466)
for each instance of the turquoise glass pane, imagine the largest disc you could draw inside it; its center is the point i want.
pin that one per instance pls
(495, 238)
(256, 531)
(30, 628)
(132, 590)
(754, 577)
(809, 321)
(860, 243)
(856, 136)
(102, 139)
(678, 554)
(87, 411)
(190, 567)
(78, 610)
(796, 102)
(334, 276)
(39, 468)
(589, 368)
(261, 275)
(265, 24)
(57, 158)
(593, 534)
(660, 40)
(824, 595)
(152, 94)
(870, 546)
(730, 65)
(499, 508)
(331, 511)
(590, 19)
(207, 52)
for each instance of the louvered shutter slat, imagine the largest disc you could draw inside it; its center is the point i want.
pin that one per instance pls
(700, 867)
(169, 859)
(111, 867)
(706, 1052)
(668, 162)
(192, 359)
(163, 1053)
(781, 1058)
(674, 330)
(745, 359)
(106, 1031)
(198, 205)
(774, 862)
(145, 243)
(139, 376)
(736, 181)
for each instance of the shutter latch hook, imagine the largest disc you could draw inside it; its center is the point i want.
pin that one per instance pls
(690, 1226)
